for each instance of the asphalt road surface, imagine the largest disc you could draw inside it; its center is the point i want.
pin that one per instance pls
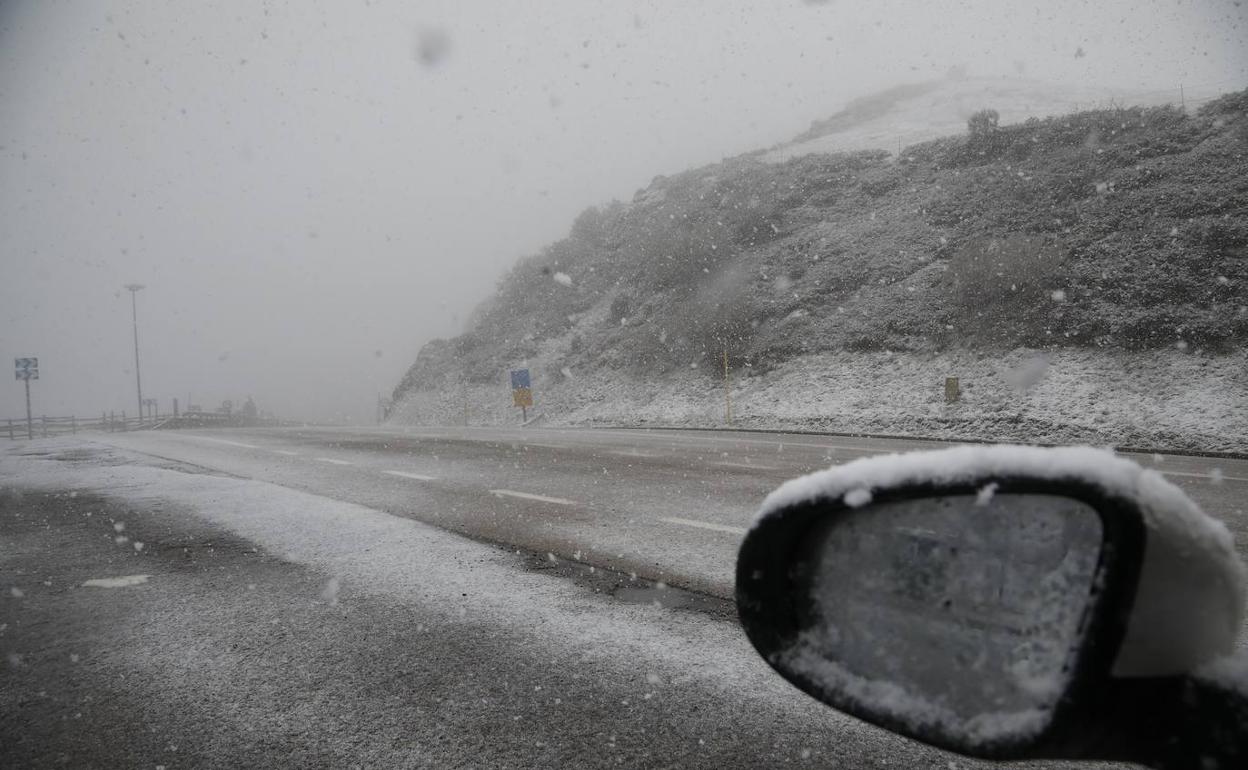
(274, 597)
(668, 505)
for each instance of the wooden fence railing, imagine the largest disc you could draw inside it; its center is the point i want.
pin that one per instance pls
(43, 426)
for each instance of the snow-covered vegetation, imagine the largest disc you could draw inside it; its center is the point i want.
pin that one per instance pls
(843, 288)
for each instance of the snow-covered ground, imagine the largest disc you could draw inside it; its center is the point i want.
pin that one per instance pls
(877, 123)
(495, 664)
(1165, 399)
(401, 559)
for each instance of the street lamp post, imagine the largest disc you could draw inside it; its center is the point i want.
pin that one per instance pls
(134, 288)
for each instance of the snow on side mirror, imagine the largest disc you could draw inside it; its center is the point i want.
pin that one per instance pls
(1000, 602)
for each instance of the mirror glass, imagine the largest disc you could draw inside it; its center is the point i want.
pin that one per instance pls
(959, 613)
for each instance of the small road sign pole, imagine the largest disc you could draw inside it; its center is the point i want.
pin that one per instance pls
(30, 423)
(27, 369)
(727, 391)
(134, 289)
(522, 391)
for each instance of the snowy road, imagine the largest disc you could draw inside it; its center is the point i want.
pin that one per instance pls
(295, 609)
(667, 505)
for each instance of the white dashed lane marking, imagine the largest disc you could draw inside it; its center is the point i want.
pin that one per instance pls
(332, 461)
(748, 466)
(527, 496)
(633, 453)
(705, 525)
(414, 476)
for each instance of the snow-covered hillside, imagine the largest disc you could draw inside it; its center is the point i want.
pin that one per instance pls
(842, 287)
(920, 112)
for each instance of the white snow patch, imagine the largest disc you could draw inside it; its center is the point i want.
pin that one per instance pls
(985, 493)
(1157, 398)
(1025, 376)
(117, 582)
(563, 279)
(330, 592)
(877, 121)
(900, 703)
(858, 497)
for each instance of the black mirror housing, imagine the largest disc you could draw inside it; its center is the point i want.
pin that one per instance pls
(776, 597)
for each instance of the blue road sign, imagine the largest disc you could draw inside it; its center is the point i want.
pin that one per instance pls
(521, 390)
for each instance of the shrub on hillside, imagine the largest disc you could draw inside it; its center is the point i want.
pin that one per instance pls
(983, 123)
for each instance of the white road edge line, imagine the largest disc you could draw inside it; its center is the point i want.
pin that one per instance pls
(1203, 475)
(223, 441)
(407, 475)
(333, 461)
(527, 496)
(705, 525)
(286, 452)
(769, 442)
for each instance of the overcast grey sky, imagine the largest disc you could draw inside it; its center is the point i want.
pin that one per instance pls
(312, 190)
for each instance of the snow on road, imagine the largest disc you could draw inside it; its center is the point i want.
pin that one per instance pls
(402, 559)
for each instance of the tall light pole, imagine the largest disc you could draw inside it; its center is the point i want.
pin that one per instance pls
(134, 311)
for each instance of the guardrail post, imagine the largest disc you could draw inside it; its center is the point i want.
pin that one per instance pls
(44, 421)
(124, 427)
(953, 390)
(10, 429)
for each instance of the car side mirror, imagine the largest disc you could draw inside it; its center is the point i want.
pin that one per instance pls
(1002, 602)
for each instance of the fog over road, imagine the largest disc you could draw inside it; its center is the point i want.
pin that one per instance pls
(295, 608)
